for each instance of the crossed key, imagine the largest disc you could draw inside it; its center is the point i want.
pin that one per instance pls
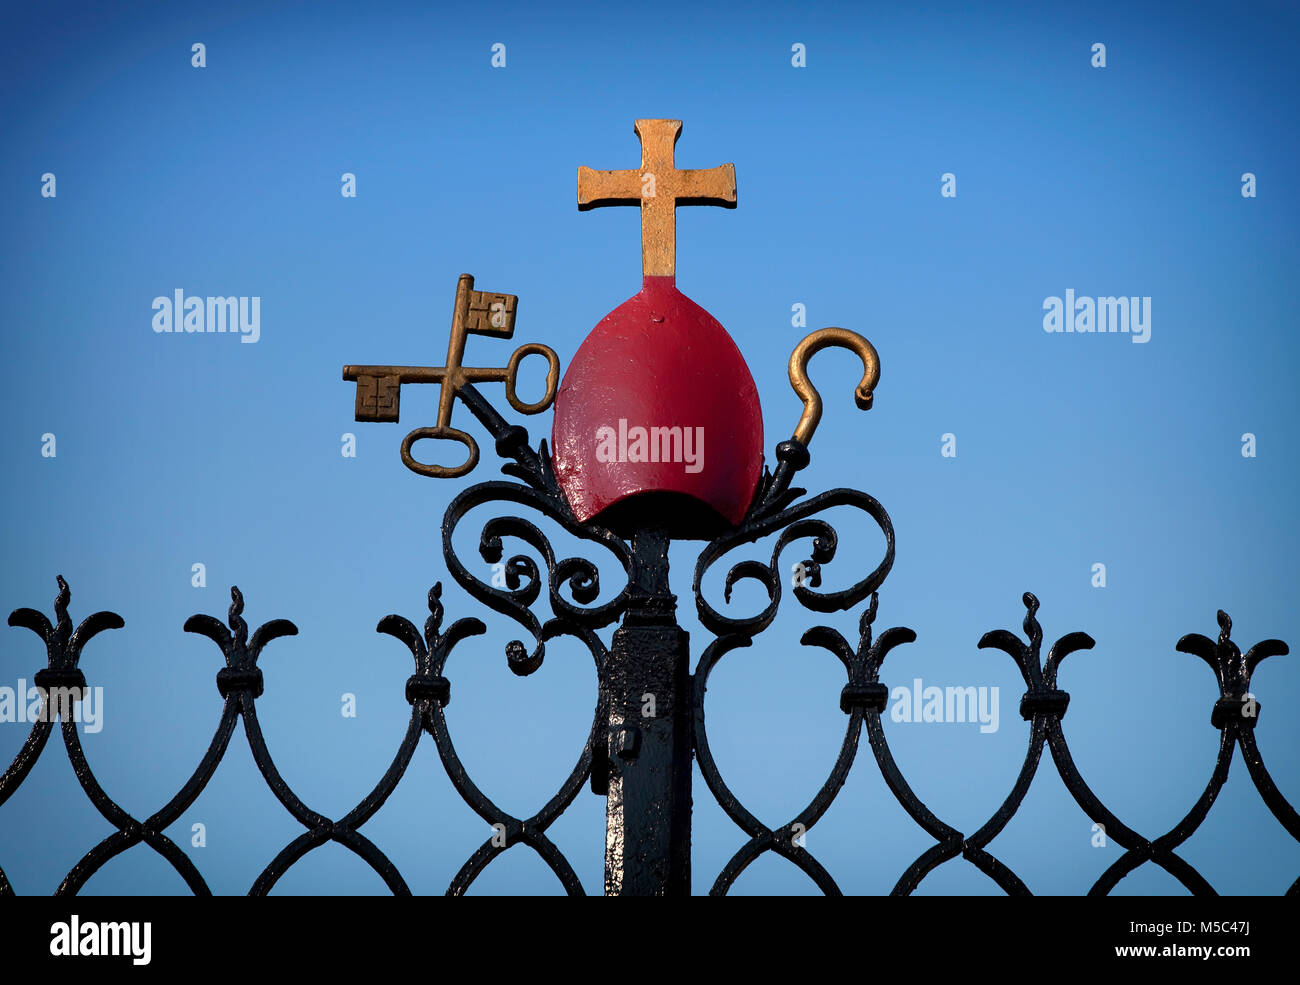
(477, 312)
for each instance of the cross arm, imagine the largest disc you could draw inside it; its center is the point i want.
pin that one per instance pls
(707, 186)
(600, 188)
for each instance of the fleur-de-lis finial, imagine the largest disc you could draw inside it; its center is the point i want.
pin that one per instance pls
(431, 651)
(63, 644)
(1232, 669)
(1039, 675)
(864, 689)
(241, 673)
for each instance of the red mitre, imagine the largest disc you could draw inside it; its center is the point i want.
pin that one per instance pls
(658, 400)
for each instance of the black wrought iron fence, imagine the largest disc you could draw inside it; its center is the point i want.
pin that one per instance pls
(640, 763)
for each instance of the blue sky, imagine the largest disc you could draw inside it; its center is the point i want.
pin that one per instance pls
(1071, 449)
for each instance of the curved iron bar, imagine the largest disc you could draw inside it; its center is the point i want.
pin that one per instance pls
(240, 684)
(1234, 714)
(508, 829)
(523, 582)
(17, 772)
(429, 692)
(129, 833)
(798, 523)
(63, 646)
(1044, 705)
(762, 838)
(862, 694)
(426, 690)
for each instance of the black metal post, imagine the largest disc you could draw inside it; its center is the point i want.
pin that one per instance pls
(648, 811)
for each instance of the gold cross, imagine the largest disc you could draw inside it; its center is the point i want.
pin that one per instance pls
(658, 188)
(478, 313)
